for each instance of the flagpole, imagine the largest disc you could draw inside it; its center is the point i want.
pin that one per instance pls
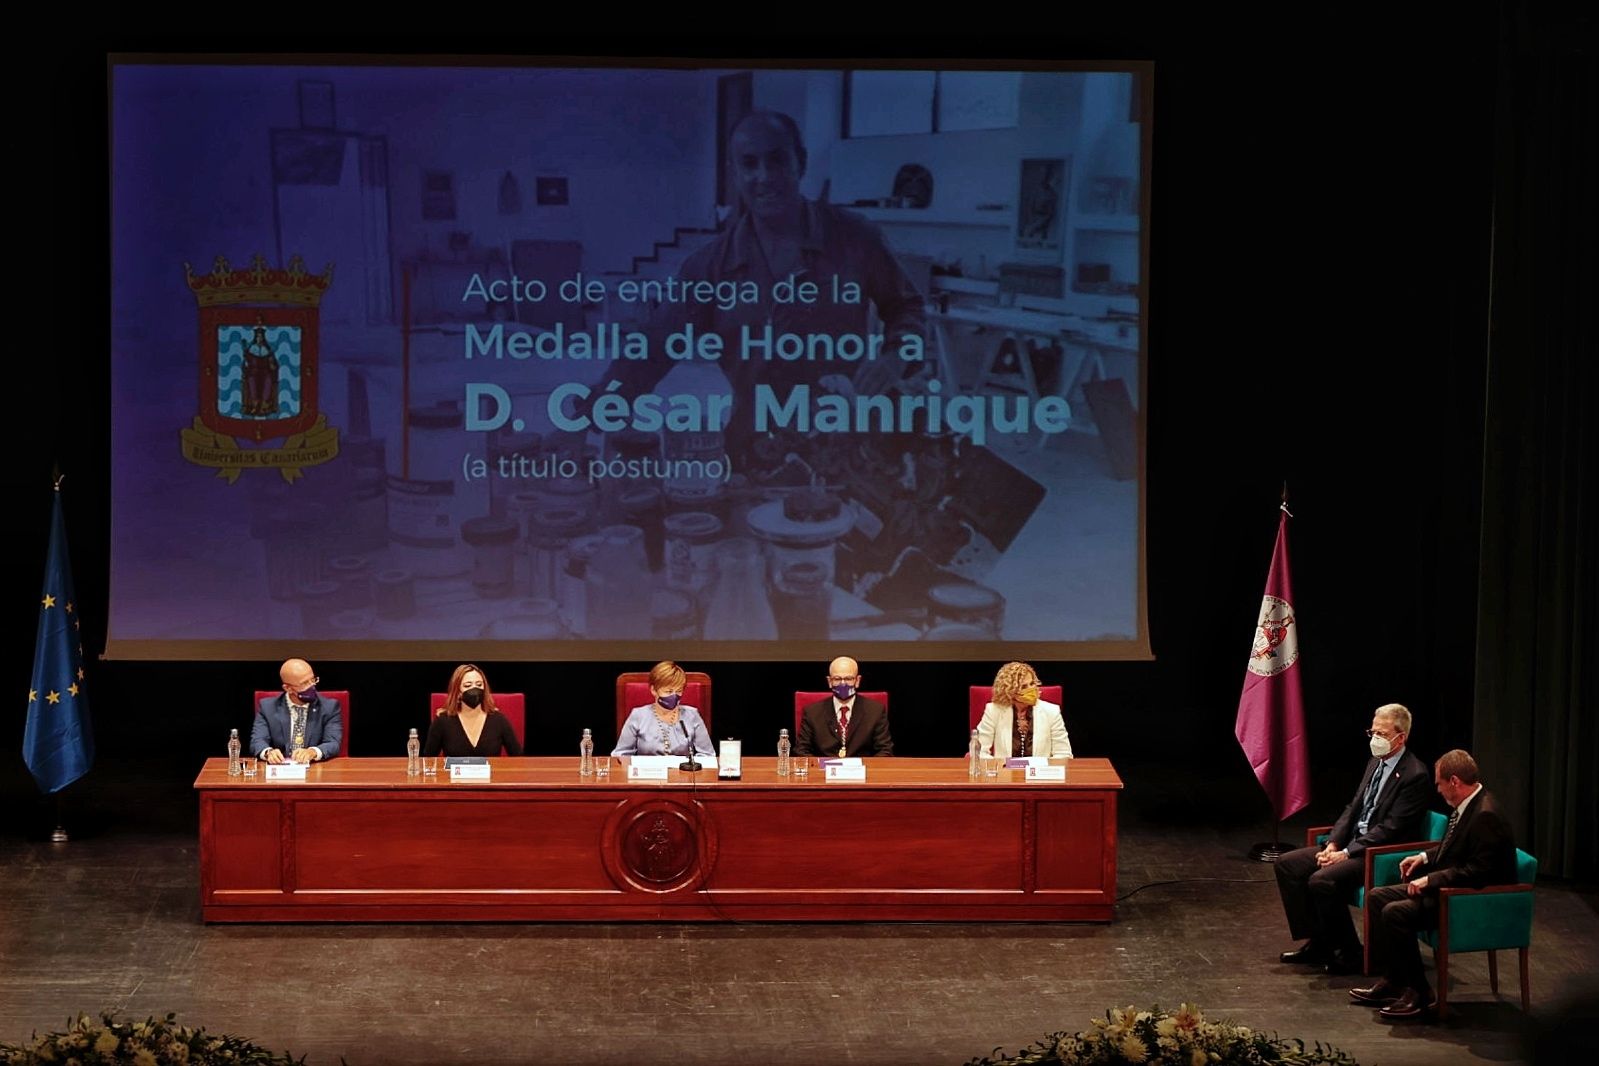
(59, 834)
(1273, 851)
(58, 740)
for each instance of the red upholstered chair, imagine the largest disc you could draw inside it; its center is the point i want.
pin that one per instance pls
(978, 697)
(342, 695)
(511, 704)
(805, 699)
(633, 690)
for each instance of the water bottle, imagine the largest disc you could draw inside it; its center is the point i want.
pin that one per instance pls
(783, 749)
(585, 752)
(235, 768)
(974, 757)
(413, 755)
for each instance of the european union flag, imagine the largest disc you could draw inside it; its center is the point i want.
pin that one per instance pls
(58, 743)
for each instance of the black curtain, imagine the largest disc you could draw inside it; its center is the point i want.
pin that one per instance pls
(1536, 723)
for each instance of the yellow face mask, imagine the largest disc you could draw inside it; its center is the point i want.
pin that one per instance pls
(1027, 696)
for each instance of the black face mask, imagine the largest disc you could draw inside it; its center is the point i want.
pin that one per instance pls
(472, 697)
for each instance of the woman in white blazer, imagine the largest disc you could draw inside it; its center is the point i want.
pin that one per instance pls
(1017, 722)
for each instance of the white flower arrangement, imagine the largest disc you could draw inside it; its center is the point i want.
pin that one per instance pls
(1156, 1037)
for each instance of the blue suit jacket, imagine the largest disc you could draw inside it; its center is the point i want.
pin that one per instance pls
(324, 726)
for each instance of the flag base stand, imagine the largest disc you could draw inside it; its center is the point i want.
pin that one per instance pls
(1269, 852)
(59, 835)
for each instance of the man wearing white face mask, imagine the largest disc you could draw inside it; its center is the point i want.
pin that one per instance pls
(1389, 807)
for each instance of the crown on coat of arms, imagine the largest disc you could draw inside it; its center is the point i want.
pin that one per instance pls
(259, 283)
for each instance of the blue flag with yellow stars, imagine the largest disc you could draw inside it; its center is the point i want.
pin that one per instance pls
(58, 743)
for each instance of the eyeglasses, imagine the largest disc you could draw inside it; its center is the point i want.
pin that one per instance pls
(301, 686)
(844, 680)
(1386, 736)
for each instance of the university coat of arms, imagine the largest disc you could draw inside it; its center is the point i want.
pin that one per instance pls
(258, 370)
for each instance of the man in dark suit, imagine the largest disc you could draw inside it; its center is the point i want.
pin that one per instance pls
(1478, 849)
(299, 724)
(845, 723)
(1389, 807)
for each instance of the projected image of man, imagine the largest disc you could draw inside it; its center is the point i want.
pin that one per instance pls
(776, 244)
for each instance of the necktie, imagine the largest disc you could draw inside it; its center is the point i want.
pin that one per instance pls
(843, 729)
(1371, 794)
(1449, 830)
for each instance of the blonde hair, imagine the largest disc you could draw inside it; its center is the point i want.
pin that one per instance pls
(452, 696)
(667, 676)
(1011, 679)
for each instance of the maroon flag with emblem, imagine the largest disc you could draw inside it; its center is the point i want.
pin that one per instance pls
(1271, 712)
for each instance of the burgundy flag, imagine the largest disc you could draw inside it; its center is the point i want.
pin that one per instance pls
(1271, 711)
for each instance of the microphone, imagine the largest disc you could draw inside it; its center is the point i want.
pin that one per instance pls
(689, 764)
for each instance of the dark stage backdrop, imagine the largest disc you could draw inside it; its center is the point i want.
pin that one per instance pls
(1319, 294)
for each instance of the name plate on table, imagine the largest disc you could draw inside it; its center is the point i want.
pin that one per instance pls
(1022, 763)
(843, 771)
(287, 771)
(1046, 773)
(468, 768)
(645, 772)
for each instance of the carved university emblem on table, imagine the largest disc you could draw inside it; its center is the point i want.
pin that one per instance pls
(657, 847)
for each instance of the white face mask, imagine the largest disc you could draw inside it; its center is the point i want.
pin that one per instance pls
(1381, 746)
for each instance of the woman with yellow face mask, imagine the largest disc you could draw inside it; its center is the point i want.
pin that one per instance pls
(1016, 723)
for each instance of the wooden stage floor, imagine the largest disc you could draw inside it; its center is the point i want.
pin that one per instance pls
(112, 921)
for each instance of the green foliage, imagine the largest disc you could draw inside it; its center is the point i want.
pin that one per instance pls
(1156, 1037)
(152, 1042)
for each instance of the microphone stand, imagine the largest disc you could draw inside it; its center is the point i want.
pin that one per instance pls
(690, 764)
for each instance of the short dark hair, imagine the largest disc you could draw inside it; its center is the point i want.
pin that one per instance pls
(787, 124)
(1459, 764)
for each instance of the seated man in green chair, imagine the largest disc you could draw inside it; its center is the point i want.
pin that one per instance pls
(1478, 849)
(1389, 807)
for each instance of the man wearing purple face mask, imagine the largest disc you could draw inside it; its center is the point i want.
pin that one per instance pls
(845, 723)
(299, 724)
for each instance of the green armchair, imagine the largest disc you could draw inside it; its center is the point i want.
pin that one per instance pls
(1469, 919)
(1485, 919)
(1382, 868)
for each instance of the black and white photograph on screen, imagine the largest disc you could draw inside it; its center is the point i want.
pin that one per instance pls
(769, 357)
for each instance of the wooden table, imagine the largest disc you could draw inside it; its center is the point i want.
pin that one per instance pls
(359, 841)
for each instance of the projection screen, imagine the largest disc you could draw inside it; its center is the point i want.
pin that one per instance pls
(532, 362)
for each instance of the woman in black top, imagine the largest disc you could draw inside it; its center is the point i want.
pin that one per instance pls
(469, 723)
